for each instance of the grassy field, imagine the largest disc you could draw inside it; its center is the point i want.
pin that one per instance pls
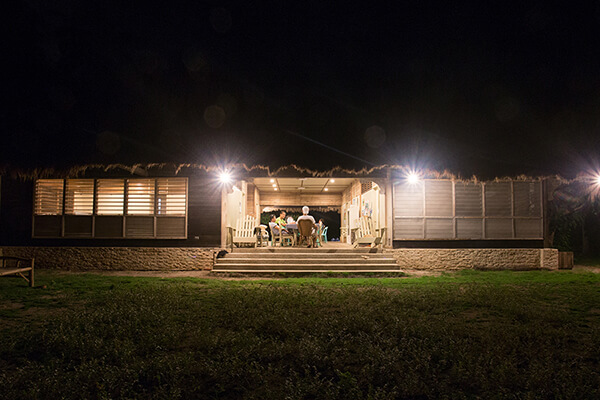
(462, 335)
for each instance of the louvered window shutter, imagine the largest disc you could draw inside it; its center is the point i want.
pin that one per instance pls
(171, 196)
(79, 199)
(140, 196)
(109, 196)
(498, 200)
(527, 199)
(49, 197)
(438, 198)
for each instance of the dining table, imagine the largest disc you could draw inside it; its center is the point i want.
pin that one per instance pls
(292, 227)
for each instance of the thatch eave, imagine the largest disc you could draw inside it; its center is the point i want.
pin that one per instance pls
(241, 171)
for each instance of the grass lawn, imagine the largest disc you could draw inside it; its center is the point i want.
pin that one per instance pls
(462, 335)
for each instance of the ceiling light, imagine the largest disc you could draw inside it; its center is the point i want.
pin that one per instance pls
(275, 189)
(272, 180)
(274, 185)
(332, 180)
(326, 189)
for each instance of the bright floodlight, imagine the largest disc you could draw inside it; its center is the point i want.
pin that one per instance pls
(225, 177)
(412, 178)
(597, 180)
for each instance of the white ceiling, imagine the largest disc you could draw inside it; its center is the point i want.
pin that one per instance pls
(309, 185)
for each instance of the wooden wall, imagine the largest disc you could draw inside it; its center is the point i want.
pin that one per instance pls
(204, 211)
(16, 211)
(295, 199)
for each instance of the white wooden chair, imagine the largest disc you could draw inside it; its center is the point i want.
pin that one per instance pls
(366, 234)
(244, 232)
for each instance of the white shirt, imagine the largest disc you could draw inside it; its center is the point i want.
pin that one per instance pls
(310, 217)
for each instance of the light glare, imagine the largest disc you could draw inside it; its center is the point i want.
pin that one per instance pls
(225, 177)
(412, 178)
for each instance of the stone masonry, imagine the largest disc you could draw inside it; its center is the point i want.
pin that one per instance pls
(202, 258)
(490, 259)
(117, 258)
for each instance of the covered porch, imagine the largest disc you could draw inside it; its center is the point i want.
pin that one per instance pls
(341, 202)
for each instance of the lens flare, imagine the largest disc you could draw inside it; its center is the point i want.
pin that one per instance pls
(225, 177)
(412, 178)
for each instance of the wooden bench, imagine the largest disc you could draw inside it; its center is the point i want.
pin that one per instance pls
(18, 267)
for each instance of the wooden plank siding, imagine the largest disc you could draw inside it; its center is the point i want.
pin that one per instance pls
(293, 199)
(204, 211)
(16, 211)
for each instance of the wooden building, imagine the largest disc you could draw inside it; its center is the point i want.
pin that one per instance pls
(189, 206)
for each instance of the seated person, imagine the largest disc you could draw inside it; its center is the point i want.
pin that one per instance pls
(305, 215)
(275, 228)
(321, 225)
(290, 220)
(281, 220)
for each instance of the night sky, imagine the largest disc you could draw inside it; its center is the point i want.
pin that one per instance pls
(486, 88)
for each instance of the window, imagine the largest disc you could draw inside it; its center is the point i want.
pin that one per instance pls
(110, 196)
(111, 208)
(79, 199)
(140, 196)
(171, 195)
(49, 196)
(446, 209)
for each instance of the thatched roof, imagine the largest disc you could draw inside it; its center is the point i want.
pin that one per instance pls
(242, 170)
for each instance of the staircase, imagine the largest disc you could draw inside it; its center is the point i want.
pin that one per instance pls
(306, 260)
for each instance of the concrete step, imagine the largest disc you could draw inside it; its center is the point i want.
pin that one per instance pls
(296, 259)
(296, 249)
(290, 256)
(270, 271)
(312, 260)
(225, 267)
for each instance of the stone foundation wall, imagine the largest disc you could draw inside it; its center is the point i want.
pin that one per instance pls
(117, 258)
(491, 259)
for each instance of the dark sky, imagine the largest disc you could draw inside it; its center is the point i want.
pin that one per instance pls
(477, 87)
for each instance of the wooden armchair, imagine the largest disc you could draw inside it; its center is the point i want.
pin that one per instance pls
(244, 232)
(281, 236)
(368, 235)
